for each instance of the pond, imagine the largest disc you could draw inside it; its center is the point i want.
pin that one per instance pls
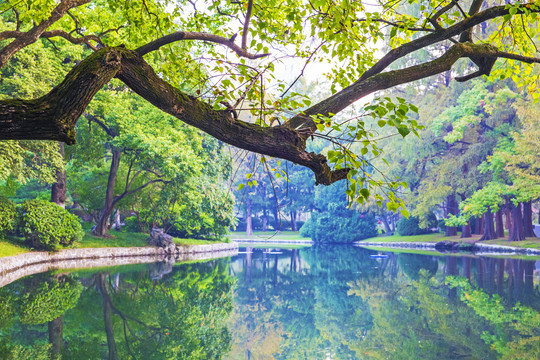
(323, 302)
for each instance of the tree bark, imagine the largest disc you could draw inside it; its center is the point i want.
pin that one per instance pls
(451, 209)
(527, 219)
(249, 224)
(489, 227)
(517, 232)
(103, 224)
(293, 221)
(499, 229)
(56, 339)
(478, 225)
(466, 231)
(387, 228)
(58, 191)
(107, 315)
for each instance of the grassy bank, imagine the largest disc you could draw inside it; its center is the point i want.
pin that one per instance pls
(268, 236)
(13, 246)
(533, 243)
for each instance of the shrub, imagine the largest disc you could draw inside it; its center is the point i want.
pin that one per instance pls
(351, 226)
(410, 226)
(46, 225)
(441, 224)
(8, 215)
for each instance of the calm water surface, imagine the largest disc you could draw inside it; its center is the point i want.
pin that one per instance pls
(324, 302)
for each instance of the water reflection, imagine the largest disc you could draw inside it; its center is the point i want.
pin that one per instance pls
(324, 302)
(121, 315)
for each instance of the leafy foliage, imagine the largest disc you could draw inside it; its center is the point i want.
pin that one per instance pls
(8, 215)
(46, 225)
(410, 226)
(49, 300)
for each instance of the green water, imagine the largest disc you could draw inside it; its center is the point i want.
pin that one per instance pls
(331, 302)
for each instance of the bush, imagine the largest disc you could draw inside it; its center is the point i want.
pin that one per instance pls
(410, 226)
(352, 226)
(441, 224)
(8, 216)
(46, 225)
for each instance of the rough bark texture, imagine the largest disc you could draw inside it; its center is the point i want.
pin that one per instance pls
(451, 208)
(517, 232)
(489, 227)
(58, 190)
(527, 219)
(499, 228)
(478, 225)
(466, 231)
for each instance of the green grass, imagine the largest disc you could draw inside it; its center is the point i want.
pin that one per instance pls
(117, 239)
(185, 242)
(268, 236)
(532, 243)
(11, 247)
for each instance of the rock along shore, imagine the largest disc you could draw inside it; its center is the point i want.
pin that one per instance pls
(15, 267)
(485, 249)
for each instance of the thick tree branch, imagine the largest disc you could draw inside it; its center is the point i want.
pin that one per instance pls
(35, 33)
(54, 33)
(53, 116)
(185, 35)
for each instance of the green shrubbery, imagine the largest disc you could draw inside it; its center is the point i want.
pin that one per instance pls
(410, 226)
(46, 225)
(8, 215)
(351, 226)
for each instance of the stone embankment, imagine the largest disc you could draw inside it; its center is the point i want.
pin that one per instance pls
(15, 267)
(476, 248)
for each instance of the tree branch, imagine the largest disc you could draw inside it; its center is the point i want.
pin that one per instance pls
(184, 35)
(246, 24)
(35, 33)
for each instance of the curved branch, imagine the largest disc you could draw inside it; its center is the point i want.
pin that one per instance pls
(246, 24)
(186, 35)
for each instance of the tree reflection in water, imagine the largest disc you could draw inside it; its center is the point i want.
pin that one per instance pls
(119, 315)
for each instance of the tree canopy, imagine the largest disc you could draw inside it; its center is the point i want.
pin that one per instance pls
(156, 47)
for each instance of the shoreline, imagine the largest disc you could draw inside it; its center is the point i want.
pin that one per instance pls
(473, 248)
(15, 267)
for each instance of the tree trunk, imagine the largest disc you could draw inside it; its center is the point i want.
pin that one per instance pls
(384, 220)
(489, 227)
(103, 224)
(107, 316)
(265, 223)
(517, 232)
(451, 209)
(117, 223)
(277, 224)
(499, 228)
(56, 339)
(527, 219)
(478, 226)
(249, 225)
(508, 214)
(293, 221)
(58, 191)
(466, 231)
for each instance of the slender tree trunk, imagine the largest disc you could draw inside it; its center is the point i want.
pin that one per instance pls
(508, 214)
(527, 219)
(517, 232)
(264, 223)
(499, 228)
(107, 316)
(489, 227)
(384, 220)
(451, 209)
(276, 216)
(466, 231)
(58, 191)
(249, 225)
(103, 224)
(117, 223)
(56, 339)
(293, 221)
